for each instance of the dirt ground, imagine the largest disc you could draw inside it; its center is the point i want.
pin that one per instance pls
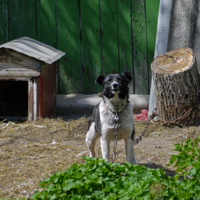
(29, 152)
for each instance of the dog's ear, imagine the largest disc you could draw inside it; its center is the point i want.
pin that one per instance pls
(128, 76)
(100, 79)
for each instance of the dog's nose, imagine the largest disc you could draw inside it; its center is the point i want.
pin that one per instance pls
(115, 85)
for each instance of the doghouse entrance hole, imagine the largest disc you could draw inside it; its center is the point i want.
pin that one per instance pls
(14, 98)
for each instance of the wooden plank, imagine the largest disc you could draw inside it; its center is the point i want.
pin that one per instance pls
(3, 20)
(14, 72)
(30, 100)
(109, 37)
(35, 104)
(19, 69)
(140, 47)
(46, 22)
(22, 19)
(14, 78)
(152, 19)
(69, 41)
(124, 38)
(47, 91)
(12, 59)
(91, 44)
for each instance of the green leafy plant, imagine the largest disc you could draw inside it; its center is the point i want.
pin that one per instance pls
(188, 158)
(98, 179)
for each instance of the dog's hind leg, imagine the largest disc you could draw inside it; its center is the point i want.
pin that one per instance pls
(134, 161)
(91, 138)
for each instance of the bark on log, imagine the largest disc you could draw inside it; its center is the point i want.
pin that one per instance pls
(176, 82)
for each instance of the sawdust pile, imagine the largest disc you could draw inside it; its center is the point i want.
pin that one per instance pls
(31, 151)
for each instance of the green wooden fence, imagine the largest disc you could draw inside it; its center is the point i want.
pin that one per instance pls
(98, 36)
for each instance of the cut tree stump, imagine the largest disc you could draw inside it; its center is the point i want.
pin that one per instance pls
(176, 82)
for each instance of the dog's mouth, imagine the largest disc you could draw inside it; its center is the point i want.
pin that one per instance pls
(115, 90)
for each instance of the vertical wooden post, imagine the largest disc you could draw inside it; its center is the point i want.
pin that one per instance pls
(35, 101)
(30, 99)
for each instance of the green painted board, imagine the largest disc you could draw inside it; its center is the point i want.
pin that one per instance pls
(152, 19)
(22, 19)
(83, 61)
(90, 23)
(3, 22)
(46, 22)
(140, 47)
(109, 36)
(124, 37)
(69, 41)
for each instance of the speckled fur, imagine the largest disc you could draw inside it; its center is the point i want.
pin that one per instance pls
(107, 122)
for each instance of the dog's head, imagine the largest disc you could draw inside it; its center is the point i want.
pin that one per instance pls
(115, 84)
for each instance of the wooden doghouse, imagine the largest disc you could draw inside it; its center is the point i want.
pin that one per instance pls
(27, 79)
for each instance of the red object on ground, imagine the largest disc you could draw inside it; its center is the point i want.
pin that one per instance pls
(142, 117)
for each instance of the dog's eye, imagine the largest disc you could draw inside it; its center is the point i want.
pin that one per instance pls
(119, 80)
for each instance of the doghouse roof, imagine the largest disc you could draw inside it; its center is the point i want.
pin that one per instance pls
(35, 49)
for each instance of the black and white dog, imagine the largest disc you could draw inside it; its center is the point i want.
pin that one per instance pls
(102, 123)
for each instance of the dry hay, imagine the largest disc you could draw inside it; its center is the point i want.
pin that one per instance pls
(156, 148)
(31, 151)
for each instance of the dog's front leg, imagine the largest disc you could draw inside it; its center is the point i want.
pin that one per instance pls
(130, 157)
(105, 148)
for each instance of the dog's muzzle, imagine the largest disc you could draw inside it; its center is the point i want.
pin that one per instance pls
(115, 87)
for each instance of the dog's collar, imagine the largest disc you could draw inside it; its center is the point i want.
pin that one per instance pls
(116, 112)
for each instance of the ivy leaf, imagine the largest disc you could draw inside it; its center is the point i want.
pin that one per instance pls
(68, 185)
(93, 176)
(192, 172)
(36, 195)
(172, 160)
(100, 180)
(52, 197)
(49, 188)
(109, 184)
(177, 147)
(98, 194)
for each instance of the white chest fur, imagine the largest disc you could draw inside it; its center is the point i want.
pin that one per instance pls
(125, 124)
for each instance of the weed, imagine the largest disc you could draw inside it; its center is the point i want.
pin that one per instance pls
(98, 179)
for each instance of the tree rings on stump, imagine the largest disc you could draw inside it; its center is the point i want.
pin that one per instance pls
(176, 82)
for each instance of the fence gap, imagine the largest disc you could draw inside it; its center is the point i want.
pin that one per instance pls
(56, 45)
(81, 39)
(147, 60)
(101, 37)
(118, 36)
(7, 17)
(36, 16)
(132, 47)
